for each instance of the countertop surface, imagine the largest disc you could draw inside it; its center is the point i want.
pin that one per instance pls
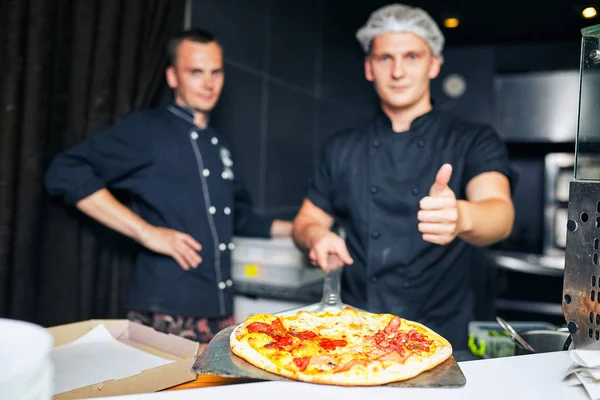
(537, 376)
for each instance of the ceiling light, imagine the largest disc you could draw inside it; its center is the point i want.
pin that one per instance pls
(589, 12)
(454, 22)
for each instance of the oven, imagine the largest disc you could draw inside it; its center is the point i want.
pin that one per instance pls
(558, 173)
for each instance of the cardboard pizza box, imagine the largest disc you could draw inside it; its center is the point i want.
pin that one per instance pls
(182, 353)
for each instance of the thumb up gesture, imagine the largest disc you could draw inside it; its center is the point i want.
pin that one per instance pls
(438, 214)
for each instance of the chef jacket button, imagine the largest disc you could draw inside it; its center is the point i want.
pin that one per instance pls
(212, 210)
(374, 189)
(227, 210)
(224, 175)
(205, 172)
(415, 191)
(406, 285)
(376, 143)
(222, 285)
(222, 247)
(421, 143)
(214, 141)
(375, 235)
(194, 135)
(231, 246)
(229, 282)
(373, 279)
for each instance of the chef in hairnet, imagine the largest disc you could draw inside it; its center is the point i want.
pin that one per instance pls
(415, 189)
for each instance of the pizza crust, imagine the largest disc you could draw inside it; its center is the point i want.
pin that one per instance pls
(373, 374)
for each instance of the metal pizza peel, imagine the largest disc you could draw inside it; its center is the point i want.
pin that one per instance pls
(331, 299)
(217, 359)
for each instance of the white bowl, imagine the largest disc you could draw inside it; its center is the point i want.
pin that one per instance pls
(26, 371)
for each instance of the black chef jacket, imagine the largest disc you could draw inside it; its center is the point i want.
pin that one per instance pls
(371, 180)
(182, 177)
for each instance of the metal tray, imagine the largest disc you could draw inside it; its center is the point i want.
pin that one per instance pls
(217, 359)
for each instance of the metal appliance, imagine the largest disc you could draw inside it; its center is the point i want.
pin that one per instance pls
(271, 275)
(581, 286)
(558, 174)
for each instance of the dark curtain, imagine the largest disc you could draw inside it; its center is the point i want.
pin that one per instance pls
(69, 68)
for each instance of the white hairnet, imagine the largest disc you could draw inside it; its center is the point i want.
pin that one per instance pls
(401, 18)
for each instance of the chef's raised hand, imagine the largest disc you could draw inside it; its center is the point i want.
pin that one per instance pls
(181, 246)
(329, 252)
(438, 214)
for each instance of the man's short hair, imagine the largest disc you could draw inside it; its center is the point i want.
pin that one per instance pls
(195, 35)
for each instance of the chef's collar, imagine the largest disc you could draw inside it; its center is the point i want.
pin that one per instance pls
(417, 125)
(185, 113)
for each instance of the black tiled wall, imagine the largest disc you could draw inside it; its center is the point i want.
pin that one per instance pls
(290, 81)
(294, 75)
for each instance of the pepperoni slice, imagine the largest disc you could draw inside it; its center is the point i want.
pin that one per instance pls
(417, 346)
(331, 344)
(301, 362)
(277, 328)
(378, 338)
(390, 339)
(259, 327)
(284, 340)
(305, 335)
(273, 345)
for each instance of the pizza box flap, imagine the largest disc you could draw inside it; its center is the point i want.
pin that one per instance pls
(182, 351)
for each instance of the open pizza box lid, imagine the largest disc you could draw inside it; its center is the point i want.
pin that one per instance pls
(134, 357)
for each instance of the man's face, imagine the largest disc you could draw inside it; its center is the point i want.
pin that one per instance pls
(197, 76)
(400, 65)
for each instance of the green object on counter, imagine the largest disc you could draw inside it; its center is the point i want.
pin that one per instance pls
(488, 339)
(498, 334)
(492, 345)
(478, 350)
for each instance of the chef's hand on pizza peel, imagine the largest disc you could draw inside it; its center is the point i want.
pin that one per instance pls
(329, 252)
(438, 214)
(181, 246)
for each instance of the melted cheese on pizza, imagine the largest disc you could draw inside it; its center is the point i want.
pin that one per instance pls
(314, 342)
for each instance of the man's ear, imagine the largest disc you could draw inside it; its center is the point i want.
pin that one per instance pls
(171, 77)
(368, 69)
(434, 68)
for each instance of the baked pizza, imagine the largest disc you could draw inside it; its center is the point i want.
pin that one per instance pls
(350, 347)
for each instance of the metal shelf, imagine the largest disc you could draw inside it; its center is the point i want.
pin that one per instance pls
(530, 263)
(529, 306)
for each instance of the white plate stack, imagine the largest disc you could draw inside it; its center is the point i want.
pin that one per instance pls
(26, 371)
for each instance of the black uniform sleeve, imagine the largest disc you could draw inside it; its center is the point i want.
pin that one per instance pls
(246, 221)
(112, 157)
(321, 182)
(488, 153)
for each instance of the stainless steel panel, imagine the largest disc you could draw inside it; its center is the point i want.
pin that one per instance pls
(581, 289)
(537, 106)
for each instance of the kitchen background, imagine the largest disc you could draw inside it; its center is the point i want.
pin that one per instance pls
(294, 75)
